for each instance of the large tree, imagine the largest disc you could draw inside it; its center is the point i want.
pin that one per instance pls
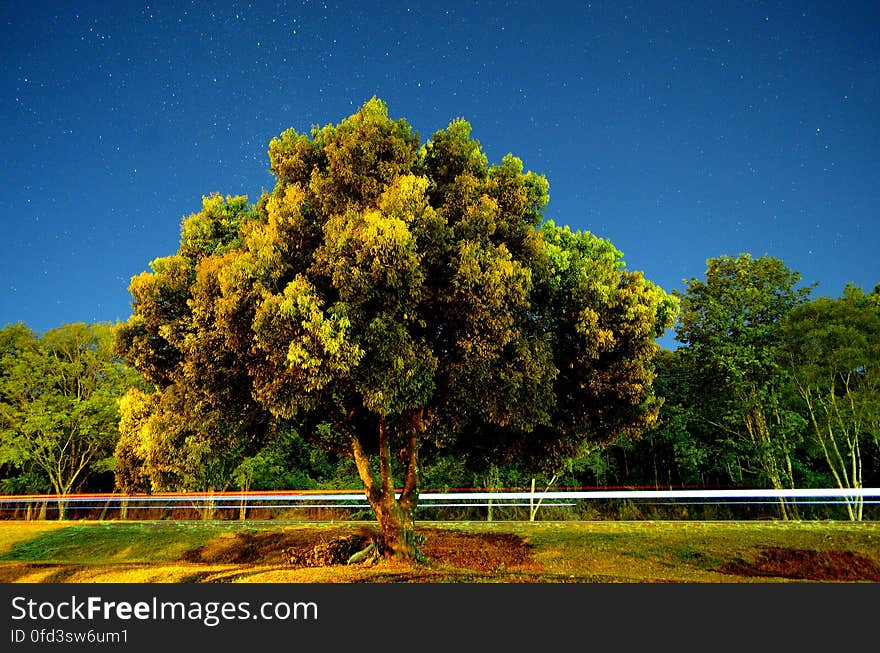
(391, 294)
(58, 402)
(731, 327)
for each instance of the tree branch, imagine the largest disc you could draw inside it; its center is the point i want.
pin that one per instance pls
(362, 462)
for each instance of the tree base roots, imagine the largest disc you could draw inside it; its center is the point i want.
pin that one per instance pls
(365, 549)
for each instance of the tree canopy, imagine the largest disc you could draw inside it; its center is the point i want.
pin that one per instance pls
(385, 295)
(832, 350)
(58, 403)
(731, 325)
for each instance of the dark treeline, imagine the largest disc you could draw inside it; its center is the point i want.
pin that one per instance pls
(769, 389)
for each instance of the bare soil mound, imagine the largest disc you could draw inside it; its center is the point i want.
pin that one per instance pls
(482, 552)
(804, 564)
(261, 548)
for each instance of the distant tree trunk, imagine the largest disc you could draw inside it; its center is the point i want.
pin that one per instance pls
(492, 481)
(209, 508)
(533, 509)
(64, 465)
(837, 431)
(62, 508)
(61, 494)
(243, 506)
(532, 501)
(759, 433)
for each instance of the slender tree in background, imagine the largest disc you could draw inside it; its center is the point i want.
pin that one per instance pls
(833, 356)
(58, 402)
(393, 294)
(730, 325)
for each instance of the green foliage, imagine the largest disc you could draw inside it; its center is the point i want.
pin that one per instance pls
(769, 385)
(730, 322)
(58, 405)
(731, 326)
(828, 339)
(285, 462)
(833, 357)
(186, 336)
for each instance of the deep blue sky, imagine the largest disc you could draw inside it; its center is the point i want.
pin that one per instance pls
(679, 131)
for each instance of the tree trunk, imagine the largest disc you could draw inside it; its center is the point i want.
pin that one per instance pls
(394, 514)
(397, 523)
(533, 509)
(61, 493)
(492, 481)
(243, 506)
(759, 433)
(842, 454)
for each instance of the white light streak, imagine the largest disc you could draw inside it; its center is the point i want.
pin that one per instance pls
(429, 498)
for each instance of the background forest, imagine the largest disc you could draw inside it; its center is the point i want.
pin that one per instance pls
(769, 387)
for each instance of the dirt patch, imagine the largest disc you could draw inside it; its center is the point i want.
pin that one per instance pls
(477, 551)
(261, 548)
(483, 552)
(804, 564)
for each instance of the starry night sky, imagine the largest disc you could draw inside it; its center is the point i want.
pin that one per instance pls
(679, 131)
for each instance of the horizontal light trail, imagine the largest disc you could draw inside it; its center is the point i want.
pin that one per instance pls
(494, 504)
(666, 494)
(334, 498)
(237, 506)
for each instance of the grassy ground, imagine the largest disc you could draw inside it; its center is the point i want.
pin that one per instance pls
(604, 552)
